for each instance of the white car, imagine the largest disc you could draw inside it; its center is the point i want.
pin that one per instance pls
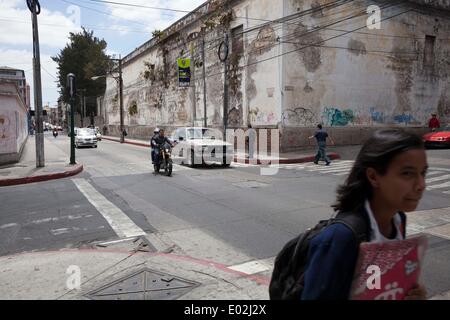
(85, 137)
(199, 145)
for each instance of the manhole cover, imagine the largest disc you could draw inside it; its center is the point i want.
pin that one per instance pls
(144, 284)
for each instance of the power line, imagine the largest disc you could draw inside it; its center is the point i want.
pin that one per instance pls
(103, 12)
(310, 45)
(88, 26)
(372, 52)
(141, 6)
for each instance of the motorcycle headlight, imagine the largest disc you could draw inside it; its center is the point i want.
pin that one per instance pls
(167, 150)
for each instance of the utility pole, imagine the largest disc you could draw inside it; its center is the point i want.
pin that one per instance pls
(122, 137)
(71, 90)
(84, 106)
(35, 9)
(205, 123)
(223, 56)
(192, 80)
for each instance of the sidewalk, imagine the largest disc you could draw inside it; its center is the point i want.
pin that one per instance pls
(302, 156)
(126, 269)
(56, 166)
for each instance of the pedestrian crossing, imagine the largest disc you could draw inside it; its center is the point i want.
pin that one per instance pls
(438, 179)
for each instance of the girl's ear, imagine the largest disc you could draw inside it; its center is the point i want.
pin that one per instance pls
(372, 176)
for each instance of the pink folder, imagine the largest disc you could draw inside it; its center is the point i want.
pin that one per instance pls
(388, 270)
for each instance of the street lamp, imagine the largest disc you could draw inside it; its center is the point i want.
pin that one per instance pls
(71, 90)
(120, 83)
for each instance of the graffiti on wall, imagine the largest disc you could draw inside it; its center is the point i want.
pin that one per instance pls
(258, 116)
(8, 140)
(298, 116)
(4, 126)
(376, 116)
(405, 118)
(335, 117)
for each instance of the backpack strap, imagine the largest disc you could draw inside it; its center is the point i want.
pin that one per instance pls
(358, 222)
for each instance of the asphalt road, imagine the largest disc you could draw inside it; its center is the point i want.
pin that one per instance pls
(229, 215)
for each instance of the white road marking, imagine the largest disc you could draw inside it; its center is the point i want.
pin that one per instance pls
(439, 186)
(9, 225)
(433, 173)
(251, 267)
(117, 219)
(444, 177)
(57, 232)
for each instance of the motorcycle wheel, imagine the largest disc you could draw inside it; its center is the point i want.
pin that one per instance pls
(169, 168)
(156, 168)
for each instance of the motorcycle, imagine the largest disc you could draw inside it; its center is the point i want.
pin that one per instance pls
(55, 133)
(164, 159)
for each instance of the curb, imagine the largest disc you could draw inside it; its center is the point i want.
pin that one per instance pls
(40, 178)
(129, 142)
(331, 155)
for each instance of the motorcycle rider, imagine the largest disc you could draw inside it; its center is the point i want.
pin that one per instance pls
(153, 144)
(159, 141)
(55, 132)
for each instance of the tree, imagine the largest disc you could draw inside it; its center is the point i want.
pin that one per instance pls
(85, 57)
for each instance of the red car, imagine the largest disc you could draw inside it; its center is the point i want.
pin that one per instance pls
(439, 138)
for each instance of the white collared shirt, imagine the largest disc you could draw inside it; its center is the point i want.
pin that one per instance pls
(376, 235)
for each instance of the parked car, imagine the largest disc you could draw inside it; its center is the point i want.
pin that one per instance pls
(199, 145)
(439, 138)
(85, 137)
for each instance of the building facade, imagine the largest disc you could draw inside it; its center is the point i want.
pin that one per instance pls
(17, 76)
(13, 122)
(354, 66)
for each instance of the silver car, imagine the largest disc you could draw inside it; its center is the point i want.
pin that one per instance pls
(85, 137)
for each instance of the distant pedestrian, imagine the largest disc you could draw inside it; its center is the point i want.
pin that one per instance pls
(321, 136)
(434, 123)
(251, 141)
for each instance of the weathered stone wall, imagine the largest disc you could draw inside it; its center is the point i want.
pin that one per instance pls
(151, 81)
(290, 75)
(13, 123)
(364, 80)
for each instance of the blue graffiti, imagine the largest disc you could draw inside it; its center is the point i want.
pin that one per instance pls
(337, 118)
(404, 118)
(377, 116)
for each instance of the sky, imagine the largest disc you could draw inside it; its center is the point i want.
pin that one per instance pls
(124, 28)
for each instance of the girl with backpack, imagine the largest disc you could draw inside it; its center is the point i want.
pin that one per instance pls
(387, 179)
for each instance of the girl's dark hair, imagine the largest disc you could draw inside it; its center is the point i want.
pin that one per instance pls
(377, 153)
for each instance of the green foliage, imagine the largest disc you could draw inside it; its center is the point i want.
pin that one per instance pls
(85, 57)
(133, 109)
(157, 34)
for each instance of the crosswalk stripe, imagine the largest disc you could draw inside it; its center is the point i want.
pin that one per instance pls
(433, 173)
(331, 170)
(439, 186)
(327, 168)
(117, 219)
(444, 177)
